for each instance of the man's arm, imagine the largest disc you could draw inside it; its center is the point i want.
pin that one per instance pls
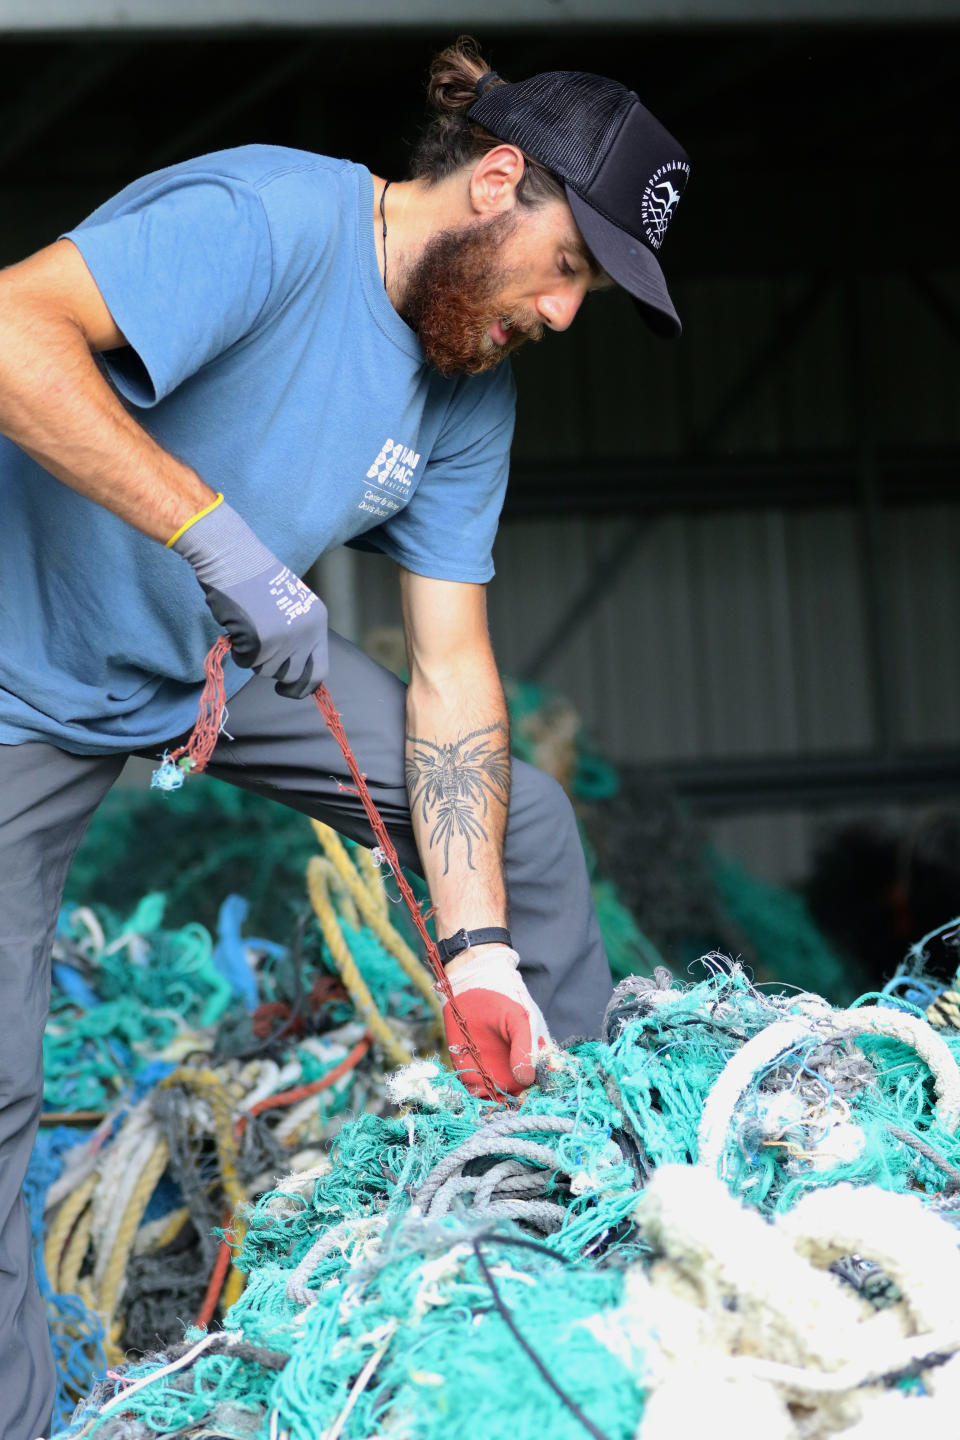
(457, 752)
(458, 779)
(57, 406)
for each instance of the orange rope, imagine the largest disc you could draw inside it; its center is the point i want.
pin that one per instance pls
(217, 1278)
(300, 1092)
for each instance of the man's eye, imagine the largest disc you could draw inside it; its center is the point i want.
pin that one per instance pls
(565, 267)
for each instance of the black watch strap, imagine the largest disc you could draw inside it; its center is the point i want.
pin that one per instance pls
(464, 939)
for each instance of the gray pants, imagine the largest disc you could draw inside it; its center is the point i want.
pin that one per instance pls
(281, 748)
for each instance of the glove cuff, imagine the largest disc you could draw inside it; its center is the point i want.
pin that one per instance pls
(498, 965)
(222, 548)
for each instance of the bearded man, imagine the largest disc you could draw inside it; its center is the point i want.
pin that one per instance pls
(234, 365)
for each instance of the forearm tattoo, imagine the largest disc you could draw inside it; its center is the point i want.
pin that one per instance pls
(453, 784)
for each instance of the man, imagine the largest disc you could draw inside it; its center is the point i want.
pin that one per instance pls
(246, 360)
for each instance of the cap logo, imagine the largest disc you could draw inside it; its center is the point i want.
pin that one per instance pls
(661, 198)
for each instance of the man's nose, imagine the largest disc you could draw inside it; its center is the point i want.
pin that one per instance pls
(558, 311)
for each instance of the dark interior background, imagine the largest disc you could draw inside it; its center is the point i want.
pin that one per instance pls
(735, 554)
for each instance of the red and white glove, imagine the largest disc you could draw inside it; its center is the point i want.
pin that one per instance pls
(503, 1018)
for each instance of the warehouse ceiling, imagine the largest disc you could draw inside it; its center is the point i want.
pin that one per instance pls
(813, 146)
(44, 15)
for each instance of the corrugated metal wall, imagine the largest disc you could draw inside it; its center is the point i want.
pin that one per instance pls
(742, 633)
(729, 634)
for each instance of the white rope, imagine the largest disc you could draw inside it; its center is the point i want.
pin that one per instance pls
(360, 1384)
(785, 1035)
(917, 1351)
(910, 1243)
(145, 1380)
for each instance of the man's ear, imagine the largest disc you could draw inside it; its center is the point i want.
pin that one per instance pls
(494, 180)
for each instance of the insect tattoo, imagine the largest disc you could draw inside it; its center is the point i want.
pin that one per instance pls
(455, 782)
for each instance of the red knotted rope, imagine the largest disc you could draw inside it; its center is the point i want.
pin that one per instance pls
(199, 749)
(213, 700)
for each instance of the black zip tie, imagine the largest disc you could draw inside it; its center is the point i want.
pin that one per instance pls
(490, 1237)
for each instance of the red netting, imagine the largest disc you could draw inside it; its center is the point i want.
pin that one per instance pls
(204, 735)
(199, 749)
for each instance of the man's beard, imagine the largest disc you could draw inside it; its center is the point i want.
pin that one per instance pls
(452, 296)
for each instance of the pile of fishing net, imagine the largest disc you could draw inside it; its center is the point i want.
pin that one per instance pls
(182, 1074)
(428, 1259)
(735, 1210)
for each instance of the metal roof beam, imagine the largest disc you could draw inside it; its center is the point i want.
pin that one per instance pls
(74, 16)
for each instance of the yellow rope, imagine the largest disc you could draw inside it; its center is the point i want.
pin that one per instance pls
(366, 1007)
(372, 876)
(370, 897)
(59, 1232)
(217, 1092)
(945, 1010)
(116, 1269)
(345, 903)
(73, 1256)
(175, 1223)
(233, 1288)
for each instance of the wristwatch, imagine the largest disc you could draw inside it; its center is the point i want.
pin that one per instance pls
(463, 939)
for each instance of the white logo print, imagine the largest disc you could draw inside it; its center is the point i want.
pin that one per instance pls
(292, 596)
(661, 198)
(392, 471)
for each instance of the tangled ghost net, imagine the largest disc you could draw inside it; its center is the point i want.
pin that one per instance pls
(733, 1213)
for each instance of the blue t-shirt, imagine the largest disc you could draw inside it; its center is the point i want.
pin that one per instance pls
(264, 352)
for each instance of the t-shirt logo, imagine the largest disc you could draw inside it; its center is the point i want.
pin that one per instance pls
(396, 461)
(392, 472)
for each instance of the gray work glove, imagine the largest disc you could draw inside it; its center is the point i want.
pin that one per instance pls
(276, 624)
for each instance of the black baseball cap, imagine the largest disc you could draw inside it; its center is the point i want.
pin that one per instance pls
(622, 171)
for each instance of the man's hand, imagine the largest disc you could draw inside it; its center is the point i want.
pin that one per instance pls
(278, 626)
(503, 1018)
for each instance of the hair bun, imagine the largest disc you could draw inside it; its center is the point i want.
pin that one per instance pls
(454, 76)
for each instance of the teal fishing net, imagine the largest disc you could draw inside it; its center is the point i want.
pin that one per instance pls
(458, 1260)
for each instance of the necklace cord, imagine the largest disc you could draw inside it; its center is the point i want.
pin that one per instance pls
(383, 217)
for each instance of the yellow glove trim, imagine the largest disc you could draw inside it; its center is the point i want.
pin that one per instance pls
(193, 520)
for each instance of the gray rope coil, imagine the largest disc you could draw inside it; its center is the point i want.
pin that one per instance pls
(488, 1141)
(508, 1123)
(508, 1190)
(476, 1149)
(519, 1180)
(543, 1215)
(499, 1177)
